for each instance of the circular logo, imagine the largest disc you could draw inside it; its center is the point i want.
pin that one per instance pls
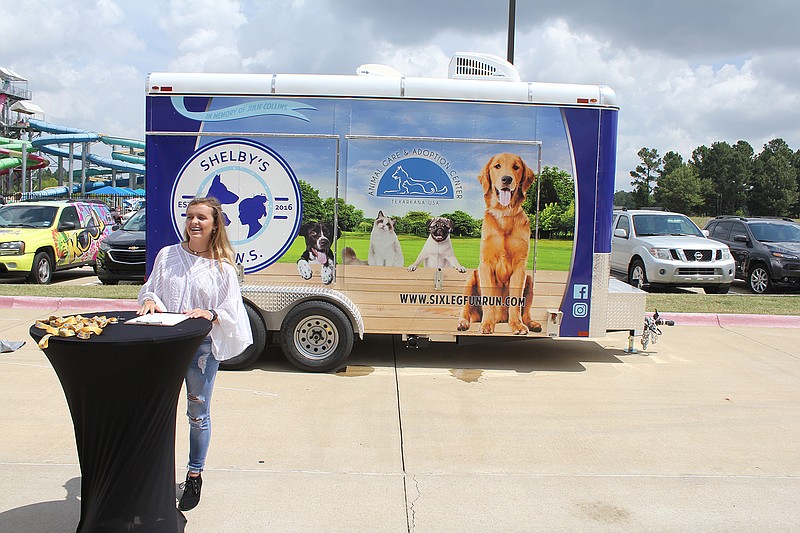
(259, 193)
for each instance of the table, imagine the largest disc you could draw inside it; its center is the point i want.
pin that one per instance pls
(122, 389)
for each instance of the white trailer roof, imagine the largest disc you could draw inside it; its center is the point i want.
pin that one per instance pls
(325, 85)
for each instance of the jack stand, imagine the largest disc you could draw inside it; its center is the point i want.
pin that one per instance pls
(631, 342)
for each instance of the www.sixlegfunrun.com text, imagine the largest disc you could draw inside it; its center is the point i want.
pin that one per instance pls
(459, 299)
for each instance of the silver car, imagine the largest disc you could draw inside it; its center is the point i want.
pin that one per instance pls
(664, 249)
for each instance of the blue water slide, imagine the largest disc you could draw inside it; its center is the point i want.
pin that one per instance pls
(67, 135)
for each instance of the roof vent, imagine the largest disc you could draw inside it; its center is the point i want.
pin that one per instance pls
(375, 69)
(473, 66)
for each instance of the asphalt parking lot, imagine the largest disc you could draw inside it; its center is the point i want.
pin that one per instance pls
(697, 433)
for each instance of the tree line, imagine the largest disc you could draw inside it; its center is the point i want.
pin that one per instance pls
(555, 187)
(722, 179)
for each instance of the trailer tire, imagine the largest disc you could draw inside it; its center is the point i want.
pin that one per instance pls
(253, 352)
(316, 336)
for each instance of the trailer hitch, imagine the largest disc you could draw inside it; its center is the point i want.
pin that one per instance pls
(650, 332)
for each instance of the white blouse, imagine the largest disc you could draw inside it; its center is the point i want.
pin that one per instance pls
(181, 282)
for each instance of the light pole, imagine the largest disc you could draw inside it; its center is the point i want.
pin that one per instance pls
(512, 7)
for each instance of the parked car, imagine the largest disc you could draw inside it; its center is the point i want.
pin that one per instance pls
(766, 250)
(38, 238)
(665, 249)
(122, 254)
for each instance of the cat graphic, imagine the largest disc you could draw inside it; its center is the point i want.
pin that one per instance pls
(384, 246)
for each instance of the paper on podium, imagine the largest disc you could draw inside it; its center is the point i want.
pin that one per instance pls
(158, 319)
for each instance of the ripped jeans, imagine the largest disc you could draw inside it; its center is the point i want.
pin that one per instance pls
(199, 386)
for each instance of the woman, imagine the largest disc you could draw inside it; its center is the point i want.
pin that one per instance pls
(197, 277)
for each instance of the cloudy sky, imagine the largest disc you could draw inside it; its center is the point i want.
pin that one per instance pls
(687, 73)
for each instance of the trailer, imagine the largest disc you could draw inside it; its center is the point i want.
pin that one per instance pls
(378, 203)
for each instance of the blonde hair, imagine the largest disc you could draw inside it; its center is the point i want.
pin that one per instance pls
(219, 245)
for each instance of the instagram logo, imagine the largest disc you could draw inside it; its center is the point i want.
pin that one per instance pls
(580, 309)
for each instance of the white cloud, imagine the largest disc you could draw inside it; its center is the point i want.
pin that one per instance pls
(687, 74)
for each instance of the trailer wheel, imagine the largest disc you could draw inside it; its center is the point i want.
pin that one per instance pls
(251, 354)
(316, 336)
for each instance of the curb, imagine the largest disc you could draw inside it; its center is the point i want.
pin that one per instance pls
(704, 319)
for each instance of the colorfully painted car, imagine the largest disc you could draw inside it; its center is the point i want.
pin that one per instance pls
(664, 249)
(766, 250)
(122, 255)
(38, 238)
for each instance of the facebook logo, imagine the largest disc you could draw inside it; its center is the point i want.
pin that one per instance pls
(580, 292)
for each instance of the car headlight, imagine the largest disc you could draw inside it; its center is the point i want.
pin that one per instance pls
(726, 253)
(784, 255)
(105, 246)
(13, 247)
(661, 253)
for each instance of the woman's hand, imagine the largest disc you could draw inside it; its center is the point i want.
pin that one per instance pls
(149, 306)
(199, 313)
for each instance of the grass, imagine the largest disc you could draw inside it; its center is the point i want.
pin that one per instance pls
(552, 254)
(114, 292)
(778, 304)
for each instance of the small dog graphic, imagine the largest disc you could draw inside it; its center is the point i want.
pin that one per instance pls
(438, 249)
(319, 237)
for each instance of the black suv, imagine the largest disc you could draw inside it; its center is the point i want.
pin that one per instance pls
(766, 250)
(122, 254)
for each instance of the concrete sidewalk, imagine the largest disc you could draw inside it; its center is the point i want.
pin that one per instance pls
(698, 433)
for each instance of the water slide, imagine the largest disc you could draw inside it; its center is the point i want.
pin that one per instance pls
(11, 156)
(133, 163)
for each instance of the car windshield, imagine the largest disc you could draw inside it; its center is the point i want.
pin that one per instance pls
(772, 232)
(136, 222)
(664, 224)
(27, 216)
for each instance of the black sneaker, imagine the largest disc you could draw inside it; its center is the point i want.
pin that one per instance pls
(191, 492)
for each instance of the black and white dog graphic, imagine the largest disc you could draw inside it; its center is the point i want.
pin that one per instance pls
(319, 238)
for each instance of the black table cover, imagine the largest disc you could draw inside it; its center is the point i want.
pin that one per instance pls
(122, 389)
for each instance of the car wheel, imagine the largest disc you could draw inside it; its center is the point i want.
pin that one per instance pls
(42, 269)
(636, 274)
(251, 354)
(758, 279)
(717, 289)
(316, 336)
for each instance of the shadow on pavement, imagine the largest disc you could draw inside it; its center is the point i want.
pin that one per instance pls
(46, 517)
(523, 355)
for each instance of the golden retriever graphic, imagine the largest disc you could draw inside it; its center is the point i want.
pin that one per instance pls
(500, 290)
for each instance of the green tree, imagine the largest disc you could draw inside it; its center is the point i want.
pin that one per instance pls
(774, 189)
(796, 165)
(624, 199)
(313, 210)
(644, 176)
(672, 160)
(414, 222)
(463, 224)
(349, 216)
(680, 190)
(727, 170)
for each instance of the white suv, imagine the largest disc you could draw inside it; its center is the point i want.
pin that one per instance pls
(664, 249)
